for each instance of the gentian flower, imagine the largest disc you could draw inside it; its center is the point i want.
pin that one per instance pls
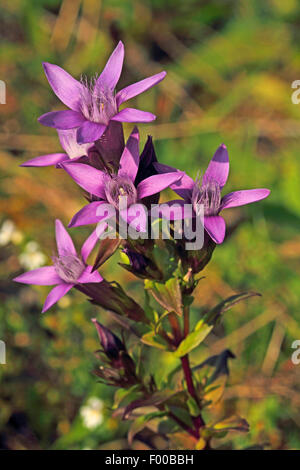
(68, 268)
(110, 188)
(208, 193)
(73, 150)
(93, 105)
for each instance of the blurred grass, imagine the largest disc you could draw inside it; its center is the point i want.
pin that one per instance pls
(230, 67)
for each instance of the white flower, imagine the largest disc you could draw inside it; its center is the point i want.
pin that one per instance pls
(9, 233)
(92, 413)
(32, 257)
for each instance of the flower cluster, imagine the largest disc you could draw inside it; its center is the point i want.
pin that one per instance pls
(119, 180)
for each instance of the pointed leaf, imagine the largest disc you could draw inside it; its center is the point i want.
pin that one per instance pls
(156, 399)
(168, 295)
(141, 422)
(213, 316)
(233, 423)
(123, 394)
(151, 339)
(193, 339)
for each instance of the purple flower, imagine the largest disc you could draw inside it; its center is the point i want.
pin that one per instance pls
(68, 268)
(110, 188)
(208, 193)
(73, 150)
(93, 105)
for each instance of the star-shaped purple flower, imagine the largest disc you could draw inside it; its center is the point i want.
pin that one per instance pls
(109, 188)
(208, 193)
(93, 105)
(73, 151)
(68, 268)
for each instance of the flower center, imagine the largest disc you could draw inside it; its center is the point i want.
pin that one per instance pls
(120, 191)
(209, 195)
(97, 104)
(69, 267)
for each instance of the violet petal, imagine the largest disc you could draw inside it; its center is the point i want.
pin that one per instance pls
(67, 89)
(138, 87)
(215, 227)
(129, 162)
(45, 276)
(133, 115)
(55, 294)
(46, 160)
(240, 198)
(218, 168)
(63, 240)
(67, 119)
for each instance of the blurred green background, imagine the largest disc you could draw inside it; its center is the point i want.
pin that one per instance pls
(230, 67)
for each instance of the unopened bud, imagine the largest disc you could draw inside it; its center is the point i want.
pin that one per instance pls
(110, 342)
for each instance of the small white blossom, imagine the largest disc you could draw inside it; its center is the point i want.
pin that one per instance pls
(9, 233)
(32, 257)
(92, 413)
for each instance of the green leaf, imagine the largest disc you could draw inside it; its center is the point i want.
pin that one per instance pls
(140, 422)
(160, 319)
(129, 394)
(193, 407)
(214, 315)
(233, 423)
(193, 339)
(152, 339)
(156, 399)
(168, 295)
(207, 323)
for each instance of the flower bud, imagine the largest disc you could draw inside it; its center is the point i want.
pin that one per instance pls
(196, 260)
(111, 296)
(110, 342)
(146, 169)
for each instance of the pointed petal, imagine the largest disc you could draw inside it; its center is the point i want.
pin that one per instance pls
(218, 168)
(240, 198)
(156, 183)
(55, 294)
(133, 115)
(90, 132)
(215, 227)
(147, 158)
(139, 87)
(67, 119)
(45, 276)
(47, 160)
(83, 159)
(87, 177)
(89, 214)
(148, 155)
(183, 187)
(68, 90)
(68, 141)
(88, 245)
(129, 162)
(113, 68)
(89, 276)
(63, 240)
